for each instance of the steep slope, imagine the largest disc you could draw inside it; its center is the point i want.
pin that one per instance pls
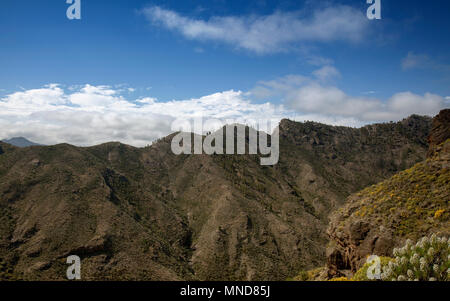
(329, 163)
(135, 213)
(63, 200)
(411, 204)
(238, 232)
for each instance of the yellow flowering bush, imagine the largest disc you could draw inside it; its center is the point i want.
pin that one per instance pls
(439, 213)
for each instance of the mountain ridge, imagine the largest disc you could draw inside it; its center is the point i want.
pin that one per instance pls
(144, 213)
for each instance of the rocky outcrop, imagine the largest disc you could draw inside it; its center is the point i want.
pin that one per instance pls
(353, 242)
(440, 131)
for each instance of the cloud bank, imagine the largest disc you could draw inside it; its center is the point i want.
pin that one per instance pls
(314, 95)
(90, 115)
(95, 114)
(277, 32)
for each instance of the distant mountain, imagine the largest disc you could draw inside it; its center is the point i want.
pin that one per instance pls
(20, 142)
(147, 214)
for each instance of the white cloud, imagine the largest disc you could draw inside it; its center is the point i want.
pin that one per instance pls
(316, 60)
(95, 114)
(44, 97)
(278, 87)
(270, 33)
(308, 95)
(329, 100)
(91, 96)
(90, 115)
(327, 73)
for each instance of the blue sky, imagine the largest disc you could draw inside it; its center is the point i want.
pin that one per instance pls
(181, 50)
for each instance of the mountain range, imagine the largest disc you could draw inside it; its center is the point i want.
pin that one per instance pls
(147, 214)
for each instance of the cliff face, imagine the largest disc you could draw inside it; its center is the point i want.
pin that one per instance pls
(440, 131)
(411, 204)
(146, 214)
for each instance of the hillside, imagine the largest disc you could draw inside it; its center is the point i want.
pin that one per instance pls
(411, 204)
(144, 213)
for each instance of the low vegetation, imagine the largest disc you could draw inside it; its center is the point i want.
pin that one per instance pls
(416, 199)
(427, 260)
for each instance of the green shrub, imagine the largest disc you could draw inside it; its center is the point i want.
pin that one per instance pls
(302, 276)
(427, 260)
